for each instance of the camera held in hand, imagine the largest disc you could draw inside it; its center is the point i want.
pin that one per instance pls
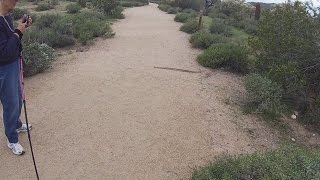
(25, 18)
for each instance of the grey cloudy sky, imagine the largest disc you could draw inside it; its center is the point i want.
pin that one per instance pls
(315, 2)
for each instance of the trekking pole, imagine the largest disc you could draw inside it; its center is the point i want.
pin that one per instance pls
(25, 113)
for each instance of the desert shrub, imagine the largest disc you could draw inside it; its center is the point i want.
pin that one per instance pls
(204, 39)
(264, 94)
(128, 3)
(73, 8)
(201, 39)
(164, 7)
(191, 26)
(43, 7)
(46, 20)
(37, 57)
(227, 55)
(189, 11)
(186, 4)
(288, 162)
(173, 10)
(17, 13)
(82, 3)
(184, 17)
(105, 6)
(117, 13)
(86, 26)
(48, 36)
(219, 27)
(54, 2)
(287, 48)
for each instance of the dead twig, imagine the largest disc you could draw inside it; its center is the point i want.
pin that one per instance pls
(176, 69)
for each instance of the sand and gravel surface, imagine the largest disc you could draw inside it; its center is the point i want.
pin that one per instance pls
(108, 113)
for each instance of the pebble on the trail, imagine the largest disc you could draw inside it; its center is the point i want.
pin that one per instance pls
(293, 116)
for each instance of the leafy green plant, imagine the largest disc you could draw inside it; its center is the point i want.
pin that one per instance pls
(172, 10)
(73, 8)
(203, 39)
(219, 27)
(164, 7)
(48, 36)
(184, 17)
(54, 2)
(105, 6)
(264, 94)
(287, 48)
(227, 55)
(43, 7)
(17, 13)
(82, 3)
(37, 57)
(191, 26)
(288, 162)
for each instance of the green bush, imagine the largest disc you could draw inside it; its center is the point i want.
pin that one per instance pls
(86, 26)
(46, 20)
(73, 8)
(105, 6)
(218, 39)
(117, 13)
(164, 7)
(138, 4)
(63, 25)
(48, 36)
(251, 29)
(191, 26)
(289, 162)
(51, 29)
(128, 3)
(54, 2)
(190, 11)
(37, 57)
(287, 48)
(264, 94)
(218, 15)
(61, 31)
(228, 55)
(186, 4)
(219, 27)
(172, 10)
(231, 8)
(184, 17)
(250, 26)
(203, 39)
(18, 13)
(155, 1)
(93, 15)
(43, 7)
(82, 3)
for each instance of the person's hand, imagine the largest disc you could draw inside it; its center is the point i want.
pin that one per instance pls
(22, 26)
(29, 21)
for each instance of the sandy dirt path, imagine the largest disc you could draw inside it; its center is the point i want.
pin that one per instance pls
(107, 113)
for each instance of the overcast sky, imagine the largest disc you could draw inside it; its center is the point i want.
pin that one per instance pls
(315, 2)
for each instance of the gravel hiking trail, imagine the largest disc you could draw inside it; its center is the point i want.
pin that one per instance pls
(136, 106)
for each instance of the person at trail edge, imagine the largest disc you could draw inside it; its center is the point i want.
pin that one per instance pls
(10, 82)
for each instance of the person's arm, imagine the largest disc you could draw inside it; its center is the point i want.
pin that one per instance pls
(9, 46)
